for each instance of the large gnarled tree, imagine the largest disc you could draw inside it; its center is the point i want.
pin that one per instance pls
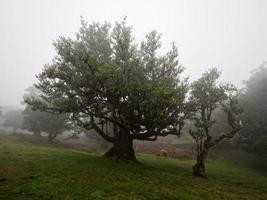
(102, 78)
(208, 96)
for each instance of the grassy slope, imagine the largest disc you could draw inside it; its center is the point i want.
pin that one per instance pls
(30, 171)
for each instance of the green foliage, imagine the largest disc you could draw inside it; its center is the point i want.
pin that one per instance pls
(207, 96)
(29, 171)
(103, 77)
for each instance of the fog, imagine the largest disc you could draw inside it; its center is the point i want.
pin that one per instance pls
(229, 35)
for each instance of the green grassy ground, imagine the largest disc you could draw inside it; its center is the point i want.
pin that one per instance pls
(40, 171)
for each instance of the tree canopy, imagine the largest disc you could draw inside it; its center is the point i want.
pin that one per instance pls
(102, 76)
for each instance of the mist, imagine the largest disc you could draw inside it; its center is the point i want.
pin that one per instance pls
(132, 99)
(229, 35)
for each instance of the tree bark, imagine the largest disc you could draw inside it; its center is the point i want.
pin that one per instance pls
(199, 168)
(122, 148)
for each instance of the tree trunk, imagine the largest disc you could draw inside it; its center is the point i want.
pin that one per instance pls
(51, 137)
(199, 167)
(37, 134)
(14, 132)
(122, 148)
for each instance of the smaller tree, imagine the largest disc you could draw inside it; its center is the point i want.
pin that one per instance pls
(56, 124)
(206, 97)
(13, 118)
(39, 121)
(32, 121)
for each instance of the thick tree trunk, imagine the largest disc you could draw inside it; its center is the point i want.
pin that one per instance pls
(122, 148)
(199, 168)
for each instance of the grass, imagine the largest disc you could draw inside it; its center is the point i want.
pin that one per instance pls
(35, 170)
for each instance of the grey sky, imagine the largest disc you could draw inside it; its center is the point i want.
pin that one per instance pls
(228, 34)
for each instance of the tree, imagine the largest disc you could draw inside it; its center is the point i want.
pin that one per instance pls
(13, 118)
(32, 122)
(206, 97)
(55, 125)
(102, 77)
(253, 137)
(39, 121)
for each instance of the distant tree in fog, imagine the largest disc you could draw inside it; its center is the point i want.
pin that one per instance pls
(13, 118)
(31, 121)
(254, 101)
(103, 77)
(38, 121)
(206, 97)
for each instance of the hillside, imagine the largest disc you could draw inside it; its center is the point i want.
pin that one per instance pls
(37, 170)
